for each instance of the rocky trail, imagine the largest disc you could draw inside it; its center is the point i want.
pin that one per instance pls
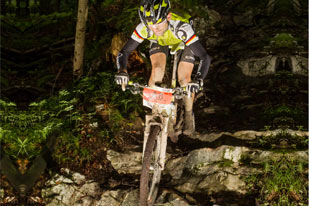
(250, 146)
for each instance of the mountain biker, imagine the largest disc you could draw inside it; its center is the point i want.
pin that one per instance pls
(165, 30)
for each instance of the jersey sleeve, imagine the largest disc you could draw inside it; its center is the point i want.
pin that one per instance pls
(137, 37)
(123, 55)
(205, 60)
(140, 33)
(186, 33)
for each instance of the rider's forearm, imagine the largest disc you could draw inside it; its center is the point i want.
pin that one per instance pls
(199, 51)
(123, 55)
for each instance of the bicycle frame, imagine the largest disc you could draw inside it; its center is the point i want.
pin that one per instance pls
(162, 115)
(162, 121)
(163, 103)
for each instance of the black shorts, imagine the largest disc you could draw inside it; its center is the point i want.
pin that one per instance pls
(186, 56)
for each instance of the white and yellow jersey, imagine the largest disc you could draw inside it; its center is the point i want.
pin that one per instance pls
(179, 33)
(176, 33)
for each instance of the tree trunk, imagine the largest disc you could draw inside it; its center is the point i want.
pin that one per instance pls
(80, 38)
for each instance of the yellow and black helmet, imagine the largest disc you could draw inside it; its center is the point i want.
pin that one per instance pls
(153, 11)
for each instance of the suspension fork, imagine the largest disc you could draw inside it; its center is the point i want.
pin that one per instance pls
(161, 139)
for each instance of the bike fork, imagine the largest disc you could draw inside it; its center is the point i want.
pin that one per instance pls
(160, 152)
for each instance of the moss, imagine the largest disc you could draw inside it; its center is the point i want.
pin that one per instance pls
(282, 40)
(245, 159)
(225, 163)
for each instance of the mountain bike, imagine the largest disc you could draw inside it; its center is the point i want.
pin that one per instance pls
(165, 105)
(161, 123)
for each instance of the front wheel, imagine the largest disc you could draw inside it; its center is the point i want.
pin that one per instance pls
(150, 176)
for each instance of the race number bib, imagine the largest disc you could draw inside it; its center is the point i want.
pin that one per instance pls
(157, 96)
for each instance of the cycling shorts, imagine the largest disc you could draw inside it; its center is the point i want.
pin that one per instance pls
(186, 56)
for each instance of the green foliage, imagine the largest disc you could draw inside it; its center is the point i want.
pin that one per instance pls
(69, 149)
(186, 4)
(4, 81)
(101, 87)
(28, 33)
(23, 133)
(44, 79)
(246, 5)
(108, 3)
(125, 18)
(98, 91)
(283, 182)
(225, 163)
(284, 111)
(283, 40)
(35, 22)
(245, 159)
(283, 141)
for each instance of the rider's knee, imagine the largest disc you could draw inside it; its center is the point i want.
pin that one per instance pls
(157, 73)
(157, 69)
(184, 81)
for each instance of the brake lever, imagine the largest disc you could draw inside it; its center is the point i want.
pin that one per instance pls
(179, 92)
(134, 88)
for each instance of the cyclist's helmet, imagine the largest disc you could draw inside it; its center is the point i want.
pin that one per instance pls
(153, 11)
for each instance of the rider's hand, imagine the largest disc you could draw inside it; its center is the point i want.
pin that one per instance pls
(200, 81)
(122, 78)
(195, 86)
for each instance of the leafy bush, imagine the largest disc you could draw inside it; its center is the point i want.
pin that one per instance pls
(23, 133)
(284, 111)
(283, 182)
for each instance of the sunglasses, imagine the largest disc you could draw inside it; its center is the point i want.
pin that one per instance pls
(150, 24)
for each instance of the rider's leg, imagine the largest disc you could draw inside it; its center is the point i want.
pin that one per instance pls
(158, 62)
(184, 77)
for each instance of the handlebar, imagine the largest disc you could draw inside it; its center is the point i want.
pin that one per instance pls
(135, 88)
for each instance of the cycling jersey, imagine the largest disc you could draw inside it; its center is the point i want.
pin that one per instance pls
(178, 33)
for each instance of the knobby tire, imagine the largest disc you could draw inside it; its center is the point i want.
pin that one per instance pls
(144, 179)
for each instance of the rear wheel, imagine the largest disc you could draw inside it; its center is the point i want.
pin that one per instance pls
(151, 172)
